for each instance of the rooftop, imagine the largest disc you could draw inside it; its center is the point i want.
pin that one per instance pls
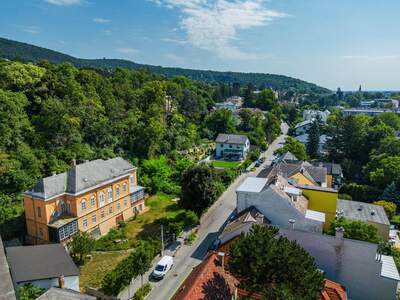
(81, 177)
(362, 211)
(317, 188)
(6, 286)
(29, 263)
(304, 123)
(64, 294)
(252, 184)
(238, 139)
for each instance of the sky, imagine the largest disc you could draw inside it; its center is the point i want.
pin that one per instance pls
(333, 43)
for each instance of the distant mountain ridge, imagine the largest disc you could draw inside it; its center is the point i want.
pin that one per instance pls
(10, 49)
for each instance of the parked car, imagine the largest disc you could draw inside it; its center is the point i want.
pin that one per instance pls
(163, 266)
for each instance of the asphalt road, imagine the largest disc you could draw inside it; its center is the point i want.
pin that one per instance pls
(187, 257)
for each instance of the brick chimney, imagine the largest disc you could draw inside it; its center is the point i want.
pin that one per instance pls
(61, 281)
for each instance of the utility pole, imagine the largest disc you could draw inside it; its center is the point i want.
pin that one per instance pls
(162, 239)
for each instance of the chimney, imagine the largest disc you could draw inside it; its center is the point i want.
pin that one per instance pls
(339, 233)
(74, 162)
(61, 281)
(291, 222)
(221, 258)
(372, 212)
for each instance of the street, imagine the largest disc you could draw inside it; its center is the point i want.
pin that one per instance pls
(211, 223)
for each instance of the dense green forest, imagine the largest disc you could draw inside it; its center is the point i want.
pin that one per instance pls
(54, 113)
(12, 49)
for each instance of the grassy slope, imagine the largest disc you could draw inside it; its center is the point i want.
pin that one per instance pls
(225, 164)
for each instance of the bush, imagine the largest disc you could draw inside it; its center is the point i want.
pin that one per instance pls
(345, 197)
(395, 220)
(253, 154)
(142, 292)
(191, 238)
(390, 207)
(356, 230)
(107, 242)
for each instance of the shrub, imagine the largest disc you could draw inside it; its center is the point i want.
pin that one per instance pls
(390, 207)
(356, 230)
(142, 292)
(253, 154)
(345, 197)
(191, 238)
(81, 244)
(107, 242)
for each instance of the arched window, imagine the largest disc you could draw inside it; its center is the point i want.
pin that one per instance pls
(101, 202)
(83, 204)
(109, 195)
(92, 201)
(117, 189)
(124, 187)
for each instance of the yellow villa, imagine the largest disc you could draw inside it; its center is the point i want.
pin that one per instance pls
(92, 196)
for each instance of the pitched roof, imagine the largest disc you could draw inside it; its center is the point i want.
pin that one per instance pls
(231, 138)
(288, 156)
(64, 294)
(208, 280)
(304, 123)
(331, 168)
(333, 291)
(29, 263)
(362, 211)
(313, 173)
(81, 177)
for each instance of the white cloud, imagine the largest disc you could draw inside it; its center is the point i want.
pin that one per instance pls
(372, 57)
(101, 21)
(175, 41)
(213, 25)
(31, 29)
(64, 2)
(129, 51)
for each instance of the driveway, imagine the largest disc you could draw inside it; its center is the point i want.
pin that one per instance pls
(211, 223)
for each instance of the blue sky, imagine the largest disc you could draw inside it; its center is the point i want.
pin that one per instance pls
(340, 43)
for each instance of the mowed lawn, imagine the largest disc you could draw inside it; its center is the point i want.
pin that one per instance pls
(161, 206)
(225, 164)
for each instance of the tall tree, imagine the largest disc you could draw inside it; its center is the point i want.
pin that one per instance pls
(313, 140)
(274, 266)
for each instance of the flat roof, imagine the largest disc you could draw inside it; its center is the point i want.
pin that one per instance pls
(362, 211)
(252, 184)
(317, 188)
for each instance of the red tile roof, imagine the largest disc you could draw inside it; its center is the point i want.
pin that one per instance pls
(209, 280)
(333, 291)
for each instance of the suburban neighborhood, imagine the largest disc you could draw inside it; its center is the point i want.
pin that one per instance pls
(199, 150)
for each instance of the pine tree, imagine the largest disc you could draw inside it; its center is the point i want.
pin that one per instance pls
(313, 140)
(391, 193)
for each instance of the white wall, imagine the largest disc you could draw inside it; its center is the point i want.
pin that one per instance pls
(277, 210)
(70, 282)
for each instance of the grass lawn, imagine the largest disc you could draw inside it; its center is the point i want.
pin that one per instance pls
(225, 164)
(93, 271)
(161, 206)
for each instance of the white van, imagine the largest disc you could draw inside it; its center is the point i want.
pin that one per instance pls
(163, 266)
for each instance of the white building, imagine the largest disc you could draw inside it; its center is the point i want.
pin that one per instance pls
(232, 146)
(311, 114)
(303, 127)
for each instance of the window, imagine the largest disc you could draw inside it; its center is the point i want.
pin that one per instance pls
(39, 212)
(110, 209)
(62, 207)
(118, 206)
(137, 196)
(83, 204)
(94, 218)
(101, 204)
(92, 201)
(124, 187)
(109, 195)
(117, 190)
(84, 223)
(102, 214)
(68, 230)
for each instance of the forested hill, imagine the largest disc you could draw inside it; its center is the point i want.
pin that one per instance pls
(16, 50)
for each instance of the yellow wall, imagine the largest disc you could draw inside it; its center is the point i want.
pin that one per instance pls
(302, 180)
(322, 201)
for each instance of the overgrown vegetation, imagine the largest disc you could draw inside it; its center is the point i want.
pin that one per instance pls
(29, 292)
(356, 230)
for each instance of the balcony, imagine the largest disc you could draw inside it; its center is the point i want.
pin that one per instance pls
(137, 194)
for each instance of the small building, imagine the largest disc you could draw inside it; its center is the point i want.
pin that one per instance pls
(44, 266)
(361, 111)
(231, 146)
(92, 196)
(334, 171)
(226, 105)
(372, 214)
(312, 114)
(64, 294)
(303, 127)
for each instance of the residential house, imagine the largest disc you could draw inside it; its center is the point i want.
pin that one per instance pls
(369, 213)
(281, 203)
(226, 105)
(44, 266)
(366, 274)
(361, 111)
(287, 157)
(303, 138)
(55, 293)
(311, 114)
(7, 291)
(232, 146)
(334, 171)
(92, 196)
(303, 127)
